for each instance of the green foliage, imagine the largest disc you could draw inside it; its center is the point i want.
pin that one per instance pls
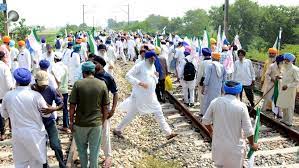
(21, 30)
(1, 23)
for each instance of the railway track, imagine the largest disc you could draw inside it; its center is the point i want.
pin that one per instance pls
(279, 144)
(6, 158)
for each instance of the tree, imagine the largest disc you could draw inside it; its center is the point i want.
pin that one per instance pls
(195, 21)
(21, 30)
(1, 23)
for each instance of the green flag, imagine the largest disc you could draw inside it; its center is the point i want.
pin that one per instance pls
(35, 35)
(276, 92)
(92, 44)
(256, 137)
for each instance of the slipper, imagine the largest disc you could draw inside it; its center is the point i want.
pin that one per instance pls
(118, 134)
(171, 136)
(107, 163)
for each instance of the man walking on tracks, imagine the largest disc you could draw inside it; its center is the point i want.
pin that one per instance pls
(143, 99)
(89, 100)
(287, 93)
(229, 116)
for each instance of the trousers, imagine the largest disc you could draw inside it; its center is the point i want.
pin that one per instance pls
(106, 139)
(288, 114)
(249, 94)
(158, 117)
(188, 91)
(88, 137)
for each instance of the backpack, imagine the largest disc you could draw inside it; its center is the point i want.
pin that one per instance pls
(189, 71)
(57, 44)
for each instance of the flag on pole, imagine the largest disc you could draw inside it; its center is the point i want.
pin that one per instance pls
(228, 63)
(157, 41)
(93, 32)
(35, 35)
(237, 42)
(278, 39)
(219, 41)
(205, 40)
(250, 154)
(65, 33)
(223, 38)
(32, 42)
(170, 37)
(92, 44)
(163, 32)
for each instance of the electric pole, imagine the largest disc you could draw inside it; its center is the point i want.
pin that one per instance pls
(5, 19)
(225, 23)
(128, 14)
(83, 13)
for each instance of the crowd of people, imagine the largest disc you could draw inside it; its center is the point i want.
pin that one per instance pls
(35, 85)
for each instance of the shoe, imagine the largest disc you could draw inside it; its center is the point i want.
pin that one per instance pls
(118, 134)
(171, 136)
(2, 137)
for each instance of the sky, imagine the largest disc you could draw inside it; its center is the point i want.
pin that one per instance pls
(56, 13)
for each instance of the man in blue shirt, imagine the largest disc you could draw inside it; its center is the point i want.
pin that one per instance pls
(111, 85)
(50, 95)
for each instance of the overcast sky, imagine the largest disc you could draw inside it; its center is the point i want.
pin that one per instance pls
(52, 13)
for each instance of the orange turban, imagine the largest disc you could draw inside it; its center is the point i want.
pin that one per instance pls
(272, 50)
(21, 43)
(216, 55)
(6, 39)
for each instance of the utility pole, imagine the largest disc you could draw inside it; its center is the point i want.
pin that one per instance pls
(128, 14)
(5, 19)
(83, 13)
(225, 23)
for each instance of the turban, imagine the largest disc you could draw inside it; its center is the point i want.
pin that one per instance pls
(12, 43)
(216, 55)
(44, 64)
(42, 78)
(6, 39)
(289, 56)
(213, 41)
(186, 53)
(48, 46)
(226, 42)
(70, 44)
(150, 54)
(102, 47)
(88, 67)
(100, 60)
(77, 48)
(43, 40)
(279, 58)
(272, 51)
(21, 43)
(108, 42)
(188, 49)
(232, 87)
(158, 50)
(206, 52)
(22, 76)
(58, 55)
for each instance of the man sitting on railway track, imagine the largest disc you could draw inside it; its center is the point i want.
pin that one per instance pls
(229, 116)
(287, 93)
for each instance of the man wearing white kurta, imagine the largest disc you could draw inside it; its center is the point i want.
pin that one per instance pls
(49, 56)
(287, 93)
(131, 48)
(6, 84)
(143, 100)
(13, 55)
(24, 57)
(74, 65)
(23, 107)
(229, 117)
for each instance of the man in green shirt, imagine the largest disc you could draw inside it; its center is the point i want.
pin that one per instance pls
(89, 101)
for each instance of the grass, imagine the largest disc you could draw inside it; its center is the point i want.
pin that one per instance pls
(153, 162)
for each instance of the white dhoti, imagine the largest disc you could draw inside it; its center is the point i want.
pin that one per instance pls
(106, 139)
